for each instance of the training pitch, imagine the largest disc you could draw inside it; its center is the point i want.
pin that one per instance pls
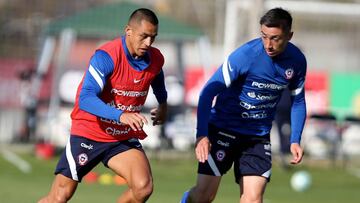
(173, 176)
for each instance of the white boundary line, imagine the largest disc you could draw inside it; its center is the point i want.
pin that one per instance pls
(14, 159)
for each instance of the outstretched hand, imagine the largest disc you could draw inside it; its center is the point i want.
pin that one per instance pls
(135, 120)
(297, 153)
(158, 115)
(202, 148)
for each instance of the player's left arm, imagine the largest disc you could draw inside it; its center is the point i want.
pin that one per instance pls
(298, 114)
(158, 115)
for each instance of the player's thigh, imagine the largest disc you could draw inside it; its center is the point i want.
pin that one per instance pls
(132, 164)
(222, 153)
(252, 186)
(255, 158)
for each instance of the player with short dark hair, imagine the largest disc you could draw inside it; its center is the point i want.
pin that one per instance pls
(236, 130)
(106, 119)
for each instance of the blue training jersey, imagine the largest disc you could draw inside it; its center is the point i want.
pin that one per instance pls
(248, 87)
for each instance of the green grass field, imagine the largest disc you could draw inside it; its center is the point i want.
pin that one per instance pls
(172, 177)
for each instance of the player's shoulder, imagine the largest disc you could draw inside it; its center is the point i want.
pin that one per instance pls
(155, 51)
(296, 53)
(248, 50)
(253, 47)
(114, 49)
(156, 54)
(110, 45)
(296, 58)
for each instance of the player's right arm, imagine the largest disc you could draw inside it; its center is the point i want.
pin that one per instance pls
(213, 87)
(233, 67)
(100, 69)
(219, 81)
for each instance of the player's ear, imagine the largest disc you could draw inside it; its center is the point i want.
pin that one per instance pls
(290, 35)
(128, 30)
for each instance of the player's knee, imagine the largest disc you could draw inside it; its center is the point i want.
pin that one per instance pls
(142, 189)
(61, 197)
(199, 199)
(251, 198)
(201, 196)
(53, 198)
(58, 196)
(62, 194)
(202, 199)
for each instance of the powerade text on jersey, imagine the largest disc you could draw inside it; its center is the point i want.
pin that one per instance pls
(254, 83)
(126, 89)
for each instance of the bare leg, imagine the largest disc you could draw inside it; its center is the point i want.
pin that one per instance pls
(134, 166)
(61, 190)
(205, 189)
(252, 189)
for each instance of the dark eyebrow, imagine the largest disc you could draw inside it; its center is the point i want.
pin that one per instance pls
(148, 35)
(272, 36)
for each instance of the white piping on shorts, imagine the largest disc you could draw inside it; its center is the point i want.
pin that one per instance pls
(213, 166)
(71, 161)
(267, 174)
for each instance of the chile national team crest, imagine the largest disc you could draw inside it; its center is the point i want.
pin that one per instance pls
(82, 158)
(220, 155)
(289, 73)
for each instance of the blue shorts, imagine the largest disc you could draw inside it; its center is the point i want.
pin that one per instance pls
(81, 155)
(251, 155)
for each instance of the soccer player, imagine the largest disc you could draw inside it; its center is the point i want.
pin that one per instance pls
(235, 131)
(106, 119)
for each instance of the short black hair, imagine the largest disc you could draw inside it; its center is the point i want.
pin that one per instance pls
(143, 14)
(277, 17)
